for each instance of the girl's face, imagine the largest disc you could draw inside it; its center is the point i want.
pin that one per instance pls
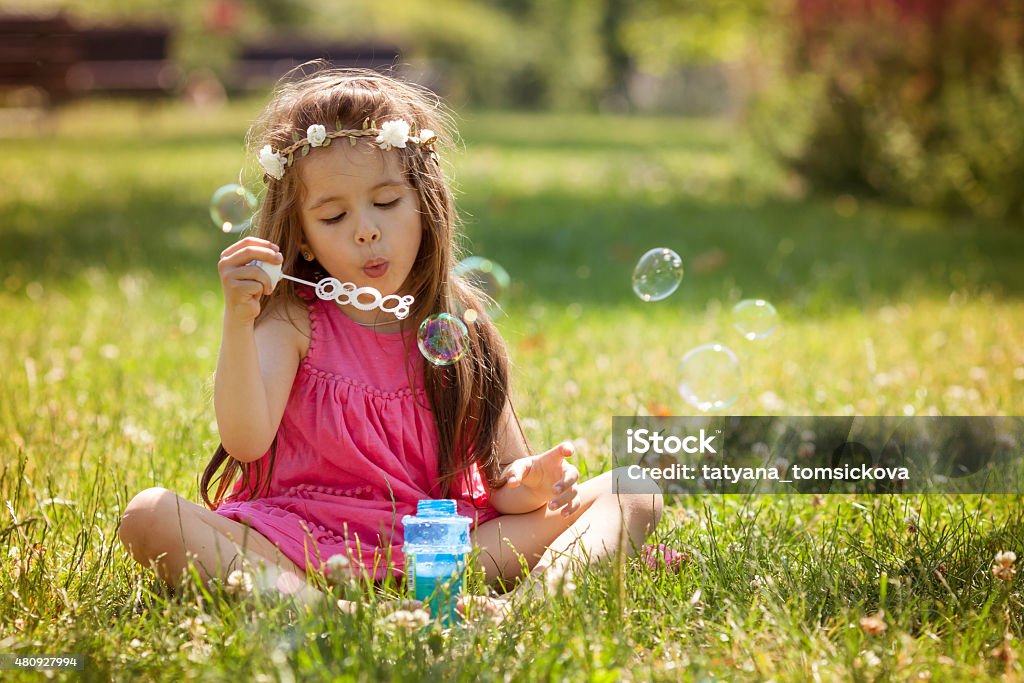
(360, 217)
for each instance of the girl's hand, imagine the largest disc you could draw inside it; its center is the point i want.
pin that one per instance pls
(549, 476)
(244, 284)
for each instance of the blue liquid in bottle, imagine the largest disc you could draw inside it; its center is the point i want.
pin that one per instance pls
(436, 545)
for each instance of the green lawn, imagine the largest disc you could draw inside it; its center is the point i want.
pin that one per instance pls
(110, 309)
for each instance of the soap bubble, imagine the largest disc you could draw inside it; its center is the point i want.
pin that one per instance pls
(232, 207)
(484, 274)
(710, 377)
(657, 274)
(443, 339)
(754, 318)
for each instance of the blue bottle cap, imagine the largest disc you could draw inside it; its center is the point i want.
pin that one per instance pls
(444, 507)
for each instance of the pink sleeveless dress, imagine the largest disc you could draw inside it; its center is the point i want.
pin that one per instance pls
(356, 449)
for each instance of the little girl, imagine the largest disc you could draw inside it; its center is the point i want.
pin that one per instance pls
(332, 424)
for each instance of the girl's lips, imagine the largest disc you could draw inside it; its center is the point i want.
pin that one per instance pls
(377, 270)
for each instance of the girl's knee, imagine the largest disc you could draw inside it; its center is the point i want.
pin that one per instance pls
(145, 515)
(640, 500)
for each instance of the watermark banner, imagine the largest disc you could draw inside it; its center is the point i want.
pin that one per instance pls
(766, 454)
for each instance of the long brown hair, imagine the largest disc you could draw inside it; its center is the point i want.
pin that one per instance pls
(468, 397)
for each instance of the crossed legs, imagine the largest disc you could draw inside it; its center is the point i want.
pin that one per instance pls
(606, 525)
(164, 531)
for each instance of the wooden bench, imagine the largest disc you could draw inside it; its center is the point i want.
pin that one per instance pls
(64, 60)
(124, 60)
(37, 52)
(260, 65)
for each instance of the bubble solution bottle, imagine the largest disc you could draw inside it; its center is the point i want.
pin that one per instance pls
(436, 545)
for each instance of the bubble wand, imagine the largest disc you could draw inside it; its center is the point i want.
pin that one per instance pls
(344, 293)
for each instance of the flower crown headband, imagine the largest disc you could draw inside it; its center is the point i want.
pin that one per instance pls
(395, 133)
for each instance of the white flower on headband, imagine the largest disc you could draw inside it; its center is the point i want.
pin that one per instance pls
(393, 134)
(272, 162)
(426, 137)
(316, 134)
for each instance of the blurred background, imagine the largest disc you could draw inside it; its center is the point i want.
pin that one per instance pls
(917, 101)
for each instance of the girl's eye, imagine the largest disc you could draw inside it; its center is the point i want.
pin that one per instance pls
(385, 205)
(335, 219)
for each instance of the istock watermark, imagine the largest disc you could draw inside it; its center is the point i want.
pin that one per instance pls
(766, 454)
(642, 441)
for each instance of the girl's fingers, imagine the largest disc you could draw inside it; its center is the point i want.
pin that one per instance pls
(250, 274)
(570, 477)
(243, 257)
(250, 288)
(233, 270)
(235, 258)
(518, 471)
(573, 507)
(248, 242)
(563, 500)
(561, 451)
(564, 449)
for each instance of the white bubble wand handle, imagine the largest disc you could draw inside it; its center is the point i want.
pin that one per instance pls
(345, 293)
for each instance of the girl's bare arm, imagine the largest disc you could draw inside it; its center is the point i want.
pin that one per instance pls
(257, 363)
(255, 372)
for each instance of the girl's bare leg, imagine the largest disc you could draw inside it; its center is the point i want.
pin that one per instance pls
(165, 531)
(607, 524)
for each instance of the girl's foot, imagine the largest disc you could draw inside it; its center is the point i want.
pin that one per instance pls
(484, 607)
(351, 606)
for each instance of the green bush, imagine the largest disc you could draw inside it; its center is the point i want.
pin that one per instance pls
(920, 103)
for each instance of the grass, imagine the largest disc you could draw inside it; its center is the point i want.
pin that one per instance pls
(111, 307)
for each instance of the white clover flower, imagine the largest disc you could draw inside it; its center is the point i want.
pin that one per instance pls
(193, 626)
(239, 582)
(1005, 557)
(272, 162)
(870, 659)
(316, 134)
(393, 134)
(1002, 566)
(338, 562)
(874, 625)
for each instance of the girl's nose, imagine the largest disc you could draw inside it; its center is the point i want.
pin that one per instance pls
(367, 233)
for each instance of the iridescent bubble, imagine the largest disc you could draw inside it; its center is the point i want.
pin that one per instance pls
(485, 275)
(657, 274)
(443, 339)
(232, 207)
(710, 377)
(754, 318)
